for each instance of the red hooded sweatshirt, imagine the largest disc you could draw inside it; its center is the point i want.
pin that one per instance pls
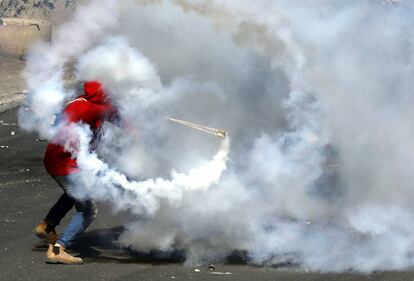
(92, 108)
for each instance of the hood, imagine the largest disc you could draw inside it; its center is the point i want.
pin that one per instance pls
(94, 93)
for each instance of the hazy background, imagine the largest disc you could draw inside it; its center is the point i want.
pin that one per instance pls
(316, 96)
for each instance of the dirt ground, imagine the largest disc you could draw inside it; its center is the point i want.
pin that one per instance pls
(55, 11)
(12, 86)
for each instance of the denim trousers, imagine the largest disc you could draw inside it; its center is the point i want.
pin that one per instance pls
(85, 212)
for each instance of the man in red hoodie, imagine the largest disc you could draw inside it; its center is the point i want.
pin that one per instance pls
(93, 108)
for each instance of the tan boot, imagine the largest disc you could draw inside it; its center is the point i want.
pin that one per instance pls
(57, 254)
(40, 231)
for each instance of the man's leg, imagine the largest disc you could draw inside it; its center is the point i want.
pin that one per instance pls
(46, 229)
(59, 210)
(85, 214)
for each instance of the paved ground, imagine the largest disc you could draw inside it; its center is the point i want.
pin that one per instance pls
(26, 192)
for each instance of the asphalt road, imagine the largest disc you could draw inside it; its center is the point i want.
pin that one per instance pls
(26, 193)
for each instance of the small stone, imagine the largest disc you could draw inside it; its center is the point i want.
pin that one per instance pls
(197, 270)
(12, 133)
(211, 267)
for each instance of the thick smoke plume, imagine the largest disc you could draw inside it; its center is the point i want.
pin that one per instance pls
(316, 96)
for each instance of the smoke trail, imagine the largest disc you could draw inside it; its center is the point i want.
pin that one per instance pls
(316, 96)
(142, 197)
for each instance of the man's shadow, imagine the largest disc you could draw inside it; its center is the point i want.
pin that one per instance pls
(101, 245)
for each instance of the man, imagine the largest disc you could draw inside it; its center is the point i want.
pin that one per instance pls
(93, 108)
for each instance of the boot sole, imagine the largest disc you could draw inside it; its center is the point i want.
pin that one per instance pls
(50, 261)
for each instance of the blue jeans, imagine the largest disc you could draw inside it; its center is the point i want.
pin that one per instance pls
(85, 212)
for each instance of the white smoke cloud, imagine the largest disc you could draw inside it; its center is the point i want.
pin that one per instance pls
(143, 196)
(45, 63)
(132, 67)
(315, 94)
